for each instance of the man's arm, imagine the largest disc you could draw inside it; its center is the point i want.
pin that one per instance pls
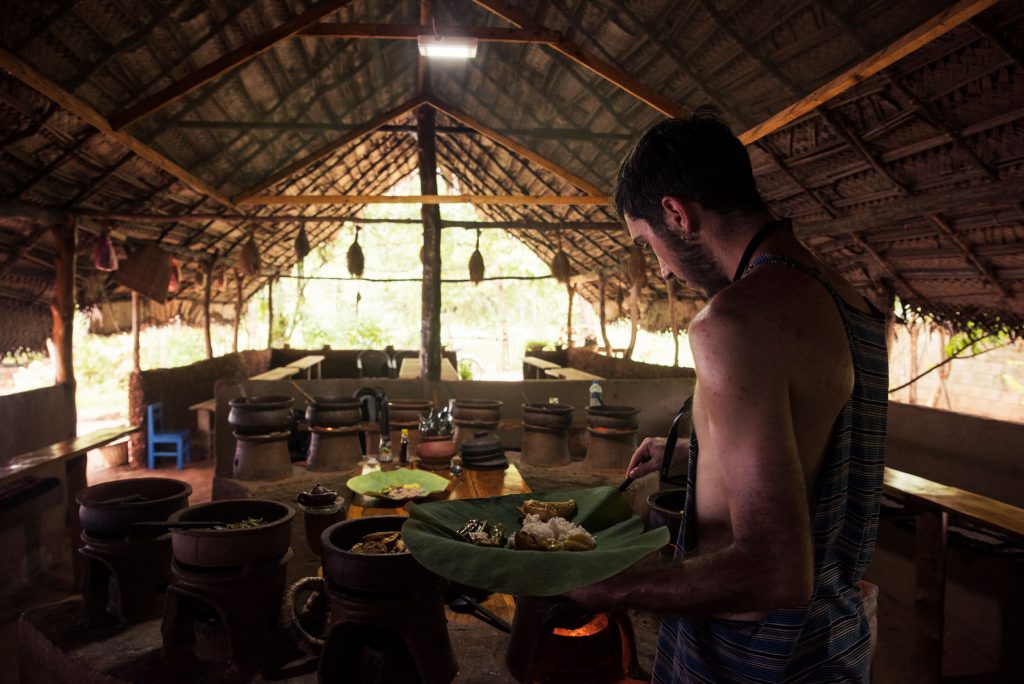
(744, 390)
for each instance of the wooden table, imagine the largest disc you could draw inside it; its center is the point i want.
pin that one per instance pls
(72, 452)
(534, 367)
(206, 412)
(571, 374)
(277, 373)
(310, 365)
(411, 369)
(934, 503)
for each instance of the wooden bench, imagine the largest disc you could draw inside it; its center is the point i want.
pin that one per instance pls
(310, 365)
(72, 453)
(571, 374)
(281, 373)
(934, 503)
(410, 370)
(534, 367)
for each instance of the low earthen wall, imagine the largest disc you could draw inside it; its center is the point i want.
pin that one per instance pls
(337, 363)
(34, 419)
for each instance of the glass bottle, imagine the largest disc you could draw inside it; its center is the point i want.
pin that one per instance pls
(403, 448)
(384, 455)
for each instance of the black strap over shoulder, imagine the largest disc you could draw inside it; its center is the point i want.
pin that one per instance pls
(670, 444)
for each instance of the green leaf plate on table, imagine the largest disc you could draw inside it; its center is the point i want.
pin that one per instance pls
(432, 536)
(374, 482)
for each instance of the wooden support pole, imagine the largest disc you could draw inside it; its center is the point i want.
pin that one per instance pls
(930, 595)
(670, 285)
(634, 318)
(430, 346)
(65, 238)
(270, 313)
(238, 309)
(207, 289)
(136, 326)
(603, 289)
(568, 319)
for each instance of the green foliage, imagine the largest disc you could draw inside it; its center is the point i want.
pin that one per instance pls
(976, 340)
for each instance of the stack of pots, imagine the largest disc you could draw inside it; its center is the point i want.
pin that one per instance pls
(471, 416)
(405, 414)
(546, 434)
(334, 432)
(261, 426)
(613, 440)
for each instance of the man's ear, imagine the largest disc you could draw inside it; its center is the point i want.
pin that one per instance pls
(679, 217)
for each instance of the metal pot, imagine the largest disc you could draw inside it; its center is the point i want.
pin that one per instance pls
(617, 417)
(395, 572)
(260, 415)
(216, 548)
(110, 508)
(482, 410)
(548, 415)
(334, 411)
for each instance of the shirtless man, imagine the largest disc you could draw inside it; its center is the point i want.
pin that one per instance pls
(789, 411)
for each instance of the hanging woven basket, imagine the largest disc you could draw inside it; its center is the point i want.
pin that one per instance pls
(302, 247)
(355, 258)
(476, 263)
(560, 267)
(250, 260)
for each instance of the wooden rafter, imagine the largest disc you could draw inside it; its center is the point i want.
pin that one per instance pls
(307, 200)
(938, 25)
(320, 153)
(75, 105)
(984, 269)
(587, 60)
(512, 145)
(225, 63)
(859, 240)
(37, 234)
(486, 34)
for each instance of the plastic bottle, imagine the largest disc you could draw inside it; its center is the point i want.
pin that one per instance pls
(595, 394)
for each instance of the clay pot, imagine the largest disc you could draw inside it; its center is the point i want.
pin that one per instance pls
(100, 513)
(436, 449)
(615, 417)
(477, 410)
(396, 572)
(548, 415)
(260, 415)
(408, 410)
(334, 411)
(666, 508)
(217, 548)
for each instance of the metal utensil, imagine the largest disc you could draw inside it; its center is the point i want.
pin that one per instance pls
(467, 606)
(180, 525)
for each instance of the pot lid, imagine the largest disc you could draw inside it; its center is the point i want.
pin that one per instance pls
(317, 497)
(482, 443)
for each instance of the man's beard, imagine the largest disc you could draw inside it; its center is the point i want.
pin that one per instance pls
(701, 272)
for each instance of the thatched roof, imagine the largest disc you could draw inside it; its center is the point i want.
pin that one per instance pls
(907, 182)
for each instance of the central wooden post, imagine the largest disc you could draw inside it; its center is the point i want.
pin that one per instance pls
(430, 346)
(65, 238)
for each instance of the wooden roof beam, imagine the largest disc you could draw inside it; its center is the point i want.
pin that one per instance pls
(485, 34)
(526, 200)
(938, 25)
(316, 155)
(75, 105)
(984, 269)
(588, 60)
(37, 234)
(224, 64)
(514, 146)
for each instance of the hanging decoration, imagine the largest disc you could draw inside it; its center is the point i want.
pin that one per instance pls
(104, 257)
(220, 281)
(355, 259)
(560, 267)
(302, 248)
(359, 298)
(250, 261)
(175, 282)
(476, 263)
(636, 266)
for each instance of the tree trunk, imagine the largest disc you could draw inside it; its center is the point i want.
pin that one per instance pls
(136, 326)
(270, 313)
(430, 329)
(207, 290)
(65, 237)
(568, 319)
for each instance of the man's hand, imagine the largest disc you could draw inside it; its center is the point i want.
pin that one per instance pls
(647, 458)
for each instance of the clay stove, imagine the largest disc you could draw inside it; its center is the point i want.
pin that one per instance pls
(387, 619)
(227, 584)
(546, 434)
(334, 433)
(126, 567)
(554, 641)
(262, 426)
(613, 437)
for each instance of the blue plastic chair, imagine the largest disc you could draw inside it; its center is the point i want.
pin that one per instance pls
(162, 443)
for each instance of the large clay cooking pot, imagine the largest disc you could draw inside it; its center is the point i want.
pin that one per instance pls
(482, 410)
(334, 411)
(548, 415)
(260, 415)
(618, 417)
(216, 548)
(110, 508)
(408, 410)
(373, 573)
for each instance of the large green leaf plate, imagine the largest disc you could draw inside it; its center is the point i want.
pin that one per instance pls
(432, 536)
(374, 482)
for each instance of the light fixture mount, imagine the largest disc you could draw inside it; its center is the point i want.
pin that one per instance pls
(447, 47)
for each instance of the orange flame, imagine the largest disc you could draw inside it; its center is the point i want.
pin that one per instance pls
(597, 624)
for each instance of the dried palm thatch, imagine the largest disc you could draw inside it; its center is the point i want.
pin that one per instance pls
(476, 263)
(250, 259)
(355, 258)
(560, 267)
